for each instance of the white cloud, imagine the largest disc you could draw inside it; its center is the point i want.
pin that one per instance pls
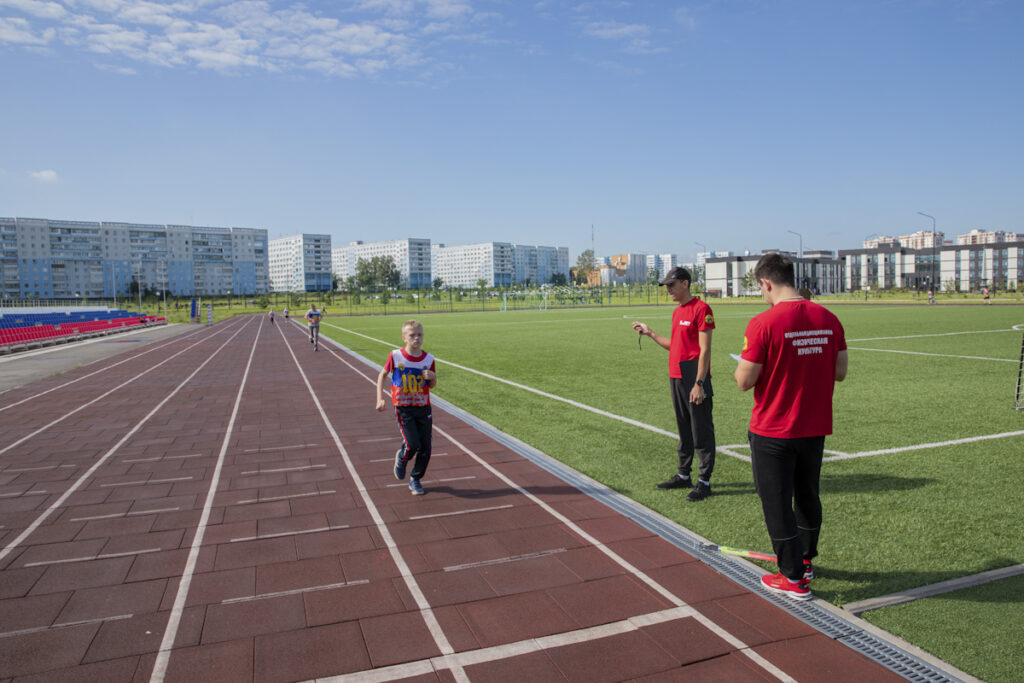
(37, 8)
(19, 32)
(613, 30)
(47, 176)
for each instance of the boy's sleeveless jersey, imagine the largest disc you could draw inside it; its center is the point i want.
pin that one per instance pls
(407, 385)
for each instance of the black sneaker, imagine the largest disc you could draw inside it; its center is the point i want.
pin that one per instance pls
(676, 482)
(701, 492)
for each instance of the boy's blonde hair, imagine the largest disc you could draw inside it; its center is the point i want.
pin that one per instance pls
(411, 322)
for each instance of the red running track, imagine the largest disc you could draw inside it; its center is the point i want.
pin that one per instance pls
(221, 507)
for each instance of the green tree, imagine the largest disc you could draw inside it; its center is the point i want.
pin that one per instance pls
(438, 283)
(585, 265)
(652, 276)
(748, 281)
(558, 279)
(379, 271)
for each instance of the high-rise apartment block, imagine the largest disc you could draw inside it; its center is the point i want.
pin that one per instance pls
(48, 258)
(300, 263)
(411, 257)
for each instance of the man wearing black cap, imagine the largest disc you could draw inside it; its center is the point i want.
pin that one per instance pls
(689, 371)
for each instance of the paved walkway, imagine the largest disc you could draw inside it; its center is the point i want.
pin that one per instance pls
(220, 506)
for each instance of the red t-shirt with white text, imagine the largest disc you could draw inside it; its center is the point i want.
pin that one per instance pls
(688, 320)
(797, 343)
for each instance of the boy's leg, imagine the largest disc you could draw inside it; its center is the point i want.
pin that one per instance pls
(424, 429)
(407, 428)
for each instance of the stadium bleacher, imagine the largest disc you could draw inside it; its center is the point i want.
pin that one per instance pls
(30, 328)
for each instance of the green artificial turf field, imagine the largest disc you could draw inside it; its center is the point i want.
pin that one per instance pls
(918, 375)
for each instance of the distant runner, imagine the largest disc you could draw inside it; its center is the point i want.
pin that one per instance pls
(313, 318)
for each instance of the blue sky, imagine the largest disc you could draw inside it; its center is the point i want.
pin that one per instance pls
(661, 124)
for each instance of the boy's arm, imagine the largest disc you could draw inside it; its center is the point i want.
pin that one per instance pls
(380, 389)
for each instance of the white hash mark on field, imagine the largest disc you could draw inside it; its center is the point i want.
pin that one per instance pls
(726, 450)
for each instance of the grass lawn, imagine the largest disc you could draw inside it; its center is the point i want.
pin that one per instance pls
(918, 375)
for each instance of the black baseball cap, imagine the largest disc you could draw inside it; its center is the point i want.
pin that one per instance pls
(676, 274)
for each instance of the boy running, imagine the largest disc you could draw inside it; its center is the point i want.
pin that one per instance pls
(271, 316)
(412, 376)
(313, 318)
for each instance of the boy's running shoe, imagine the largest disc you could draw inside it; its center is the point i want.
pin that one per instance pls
(415, 488)
(399, 465)
(798, 590)
(808, 570)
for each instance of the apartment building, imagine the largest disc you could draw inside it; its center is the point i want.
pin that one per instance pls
(411, 255)
(300, 263)
(539, 264)
(50, 258)
(464, 265)
(819, 271)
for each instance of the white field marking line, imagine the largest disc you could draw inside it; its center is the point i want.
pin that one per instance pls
(289, 533)
(383, 438)
(726, 450)
(106, 456)
(278, 448)
(920, 336)
(462, 512)
(916, 447)
(658, 588)
(504, 560)
(174, 619)
(36, 469)
(143, 481)
(296, 591)
(95, 372)
(440, 640)
(23, 493)
(124, 514)
(107, 393)
(392, 459)
(274, 498)
(509, 650)
(300, 468)
(67, 624)
(545, 394)
(937, 355)
(161, 457)
(436, 481)
(91, 558)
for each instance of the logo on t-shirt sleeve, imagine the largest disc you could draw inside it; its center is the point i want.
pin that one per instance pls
(745, 344)
(709, 319)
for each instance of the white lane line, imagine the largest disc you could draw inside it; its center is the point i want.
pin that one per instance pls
(429, 667)
(95, 372)
(274, 498)
(426, 611)
(937, 355)
(392, 458)
(302, 468)
(106, 456)
(145, 481)
(611, 554)
(279, 448)
(921, 336)
(37, 469)
(436, 481)
(66, 624)
(161, 457)
(24, 493)
(91, 558)
(105, 394)
(190, 455)
(504, 560)
(174, 620)
(297, 591)
(462, 512)
(123, 514)
(289, 533)
(381, 438)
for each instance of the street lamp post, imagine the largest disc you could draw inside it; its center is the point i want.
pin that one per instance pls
(934, 264)
(704, 250)
(801, 252)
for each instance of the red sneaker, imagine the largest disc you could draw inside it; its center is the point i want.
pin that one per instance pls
(808, 570)
(798, 590)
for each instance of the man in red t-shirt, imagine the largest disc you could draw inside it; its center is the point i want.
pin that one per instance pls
(793, 354)
(689, 371)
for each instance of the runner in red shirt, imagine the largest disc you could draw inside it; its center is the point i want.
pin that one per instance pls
(793, 354)
(689, 371)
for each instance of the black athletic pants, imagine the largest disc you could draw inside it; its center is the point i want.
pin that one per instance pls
(415, 423)
(787, 473)
(696, 428)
